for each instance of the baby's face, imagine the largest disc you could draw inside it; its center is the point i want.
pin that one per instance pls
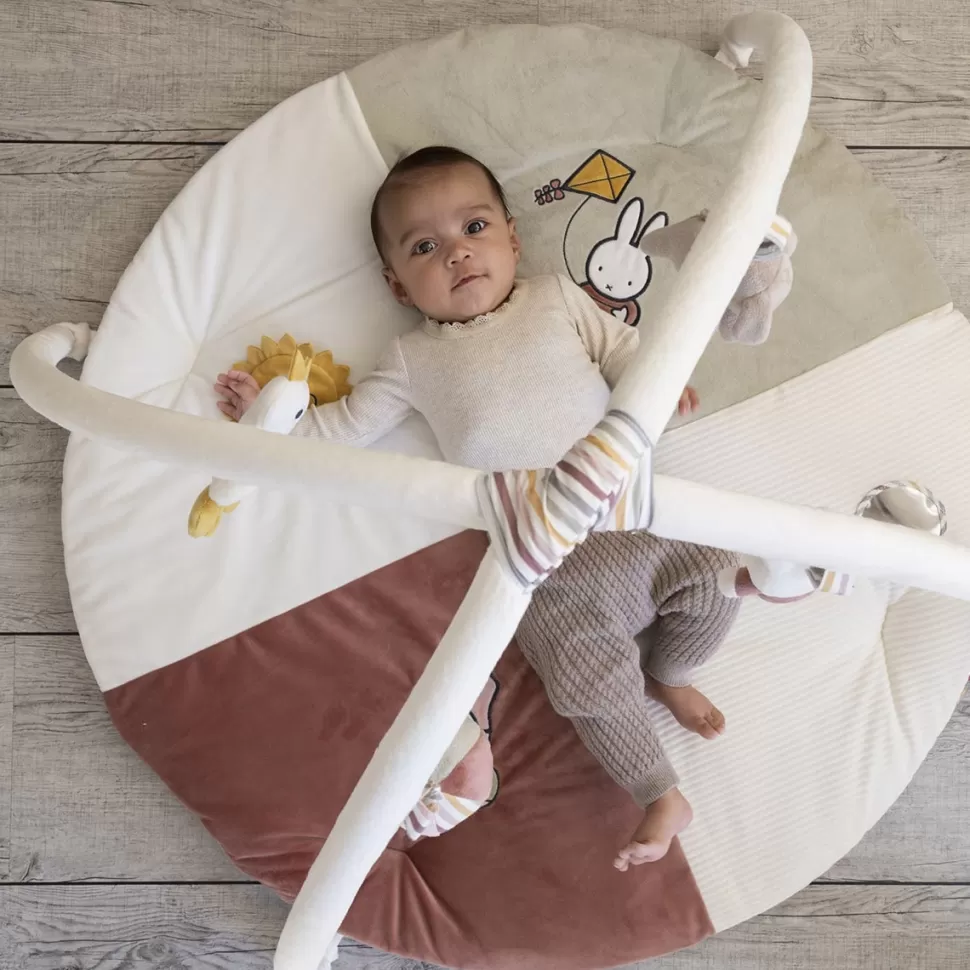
(450, 250)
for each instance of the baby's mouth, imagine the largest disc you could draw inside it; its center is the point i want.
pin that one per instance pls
(465, 280)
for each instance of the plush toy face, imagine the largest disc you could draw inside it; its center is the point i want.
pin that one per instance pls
(328, 381)
(281, 403)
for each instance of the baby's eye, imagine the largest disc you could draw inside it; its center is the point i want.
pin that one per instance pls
(424, 247)
(475, 226)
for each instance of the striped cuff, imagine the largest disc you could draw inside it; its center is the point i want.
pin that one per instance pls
(537, 517)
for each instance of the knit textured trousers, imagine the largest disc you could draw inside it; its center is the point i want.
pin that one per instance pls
(579, 636)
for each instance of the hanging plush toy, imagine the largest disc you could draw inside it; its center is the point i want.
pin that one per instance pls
(773, 580)
(779, 581)
(281, 403)
(291, 377)
(765, 286)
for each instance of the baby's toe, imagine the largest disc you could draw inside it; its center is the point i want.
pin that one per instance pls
(702, 726)
(641, 852)
(622, 860)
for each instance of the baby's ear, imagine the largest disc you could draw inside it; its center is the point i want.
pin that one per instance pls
(514, 238)
(396, 287)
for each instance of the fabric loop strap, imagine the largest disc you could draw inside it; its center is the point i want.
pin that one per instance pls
(603, 483)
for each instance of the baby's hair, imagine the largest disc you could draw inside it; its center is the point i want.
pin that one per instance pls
(424, 159)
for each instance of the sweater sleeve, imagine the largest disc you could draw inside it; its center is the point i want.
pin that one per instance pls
(377, 405)
(609, 342)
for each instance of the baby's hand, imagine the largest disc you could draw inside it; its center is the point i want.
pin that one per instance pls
(239, 390)
(689, 401)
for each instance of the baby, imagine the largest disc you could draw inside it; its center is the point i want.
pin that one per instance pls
(510, 373)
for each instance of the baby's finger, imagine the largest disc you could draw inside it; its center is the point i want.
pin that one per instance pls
(226, 408)
(245, 388)
(694, 398)
(241, 377)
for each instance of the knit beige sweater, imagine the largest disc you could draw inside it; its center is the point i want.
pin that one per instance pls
(514, 388)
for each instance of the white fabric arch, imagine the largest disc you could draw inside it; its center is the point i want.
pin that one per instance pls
(490, 614)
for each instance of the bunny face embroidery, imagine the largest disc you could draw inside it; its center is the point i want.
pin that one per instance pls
(617, 270)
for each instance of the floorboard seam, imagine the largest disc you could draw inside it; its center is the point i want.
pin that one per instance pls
(220, 143)
(40, 633)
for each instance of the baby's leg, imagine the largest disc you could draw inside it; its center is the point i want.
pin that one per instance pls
(596, 681)
(692, 623)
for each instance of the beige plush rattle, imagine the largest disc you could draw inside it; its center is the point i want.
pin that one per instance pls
(765, 286)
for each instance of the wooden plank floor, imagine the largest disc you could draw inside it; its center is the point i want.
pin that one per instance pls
(107, 108)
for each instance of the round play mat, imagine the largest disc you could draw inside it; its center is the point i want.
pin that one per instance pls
(257, 670)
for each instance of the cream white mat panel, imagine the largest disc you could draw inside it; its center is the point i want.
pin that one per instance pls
(271, 236)
(831, 703)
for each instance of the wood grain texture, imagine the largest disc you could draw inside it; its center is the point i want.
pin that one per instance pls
(167, 70)
(235, 928)
(359, 956)
(933, 189)
(79, 213)
(844, 928)
(83, 805)
(138, 927)
(6, 749)
(33, 588)
(886, 73)
(74, 217)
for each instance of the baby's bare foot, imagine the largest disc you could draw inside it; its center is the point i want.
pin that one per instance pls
(668, 816)
(690, 707)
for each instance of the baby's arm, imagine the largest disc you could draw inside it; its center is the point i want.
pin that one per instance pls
(610, 343)
(377, 405)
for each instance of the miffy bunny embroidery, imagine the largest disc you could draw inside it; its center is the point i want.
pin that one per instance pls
(617, 270)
